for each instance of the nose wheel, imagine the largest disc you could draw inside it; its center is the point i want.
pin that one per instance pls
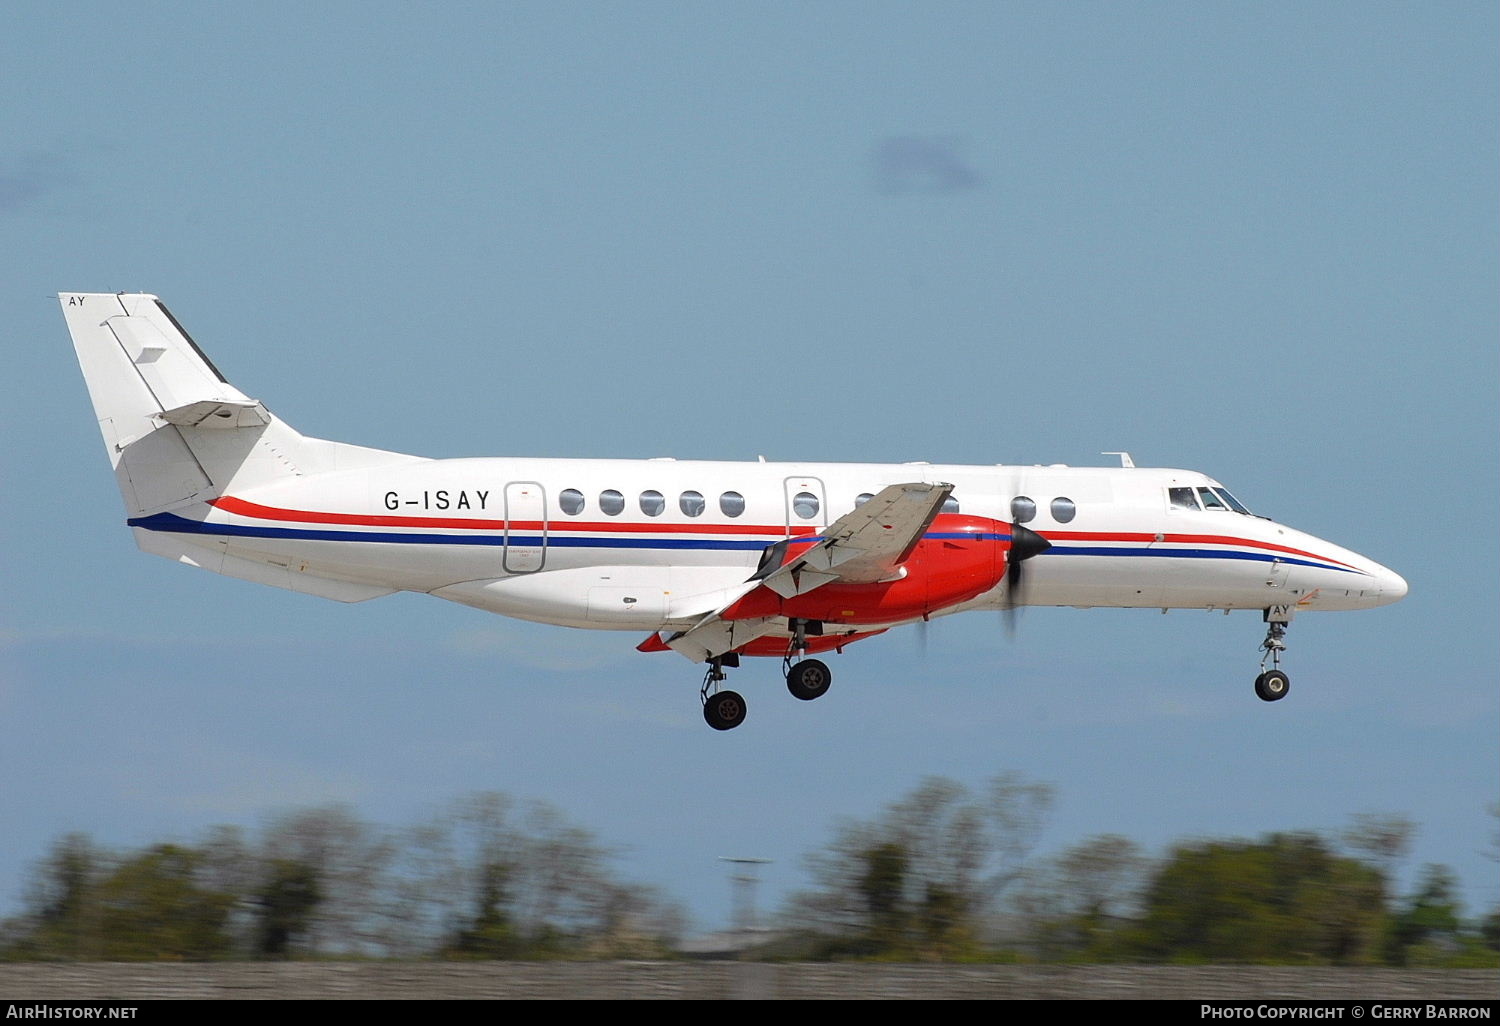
(1272, 685)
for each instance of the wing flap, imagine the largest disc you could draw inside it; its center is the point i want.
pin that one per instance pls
(714, 636)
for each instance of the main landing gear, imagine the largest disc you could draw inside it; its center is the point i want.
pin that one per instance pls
(805, 678)
(808, 679)
(722, 710)
(1272, 685)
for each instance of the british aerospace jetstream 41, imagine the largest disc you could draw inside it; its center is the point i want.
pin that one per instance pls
(713, 561)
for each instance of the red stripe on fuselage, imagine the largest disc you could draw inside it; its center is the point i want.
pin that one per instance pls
(1185, 539)
(229, 504)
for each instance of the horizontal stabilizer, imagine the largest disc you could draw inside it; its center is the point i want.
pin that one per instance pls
(211, 413)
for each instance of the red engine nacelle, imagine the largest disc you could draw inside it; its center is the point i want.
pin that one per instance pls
(958, 558)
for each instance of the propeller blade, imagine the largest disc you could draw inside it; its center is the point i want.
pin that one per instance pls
(1024, 543)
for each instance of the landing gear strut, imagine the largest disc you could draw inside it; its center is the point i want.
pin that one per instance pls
(1272, 685)
(722, 710)
(806, 678)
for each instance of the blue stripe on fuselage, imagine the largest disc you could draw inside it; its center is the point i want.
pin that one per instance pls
(1262, 557)
(171, 522)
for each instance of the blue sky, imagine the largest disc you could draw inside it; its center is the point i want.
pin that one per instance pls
(1258, 240)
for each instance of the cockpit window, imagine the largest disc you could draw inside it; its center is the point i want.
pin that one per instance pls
(1234, 503)
(1182, 498)
(1212, 501)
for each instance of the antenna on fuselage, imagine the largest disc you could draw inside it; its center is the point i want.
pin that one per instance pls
(1125, 460)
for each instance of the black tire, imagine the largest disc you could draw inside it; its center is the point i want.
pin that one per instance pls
(1272, 686)
(809, 679)
(724, 710)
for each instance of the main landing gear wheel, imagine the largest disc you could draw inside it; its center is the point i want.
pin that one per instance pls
(1272, 685)
(808, 679)
(724, 710)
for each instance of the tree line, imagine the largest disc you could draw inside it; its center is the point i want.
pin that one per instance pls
(488, 878)
(944, 873)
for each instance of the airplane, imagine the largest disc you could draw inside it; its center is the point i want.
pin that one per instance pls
(711, 560)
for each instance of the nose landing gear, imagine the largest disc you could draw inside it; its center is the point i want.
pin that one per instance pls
(1272, 685)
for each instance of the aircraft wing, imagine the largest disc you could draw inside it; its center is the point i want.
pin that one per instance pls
(863, 546)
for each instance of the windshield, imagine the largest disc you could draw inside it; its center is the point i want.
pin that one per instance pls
(1234, 503)
(1215, 499)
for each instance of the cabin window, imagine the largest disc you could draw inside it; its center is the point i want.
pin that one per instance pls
(611, 502)
(691, 504)
(862, 498)
(1063, 509)
(950, 505)
(1022, 509)
(571, 501)
(652, 503)
(1182, 498)
(731, 504)
(805, 505)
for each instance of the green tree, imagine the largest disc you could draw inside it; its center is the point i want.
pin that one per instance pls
(61, 919)
(1489, 930)
(501, 879)
(284, 907)
(491, 933)
(1287, 899)
(153, 906)
(920, 880)
(323, 877)
(1078, 906)
(1427, 929)
(882, 887)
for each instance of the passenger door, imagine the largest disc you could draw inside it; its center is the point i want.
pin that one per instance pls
(525, 527)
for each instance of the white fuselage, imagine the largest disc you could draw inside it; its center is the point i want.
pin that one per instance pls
(654, 544)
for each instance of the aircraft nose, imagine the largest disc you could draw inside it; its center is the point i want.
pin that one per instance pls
(1392, 586)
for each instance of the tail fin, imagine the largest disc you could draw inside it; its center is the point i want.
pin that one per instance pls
(177, 432)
